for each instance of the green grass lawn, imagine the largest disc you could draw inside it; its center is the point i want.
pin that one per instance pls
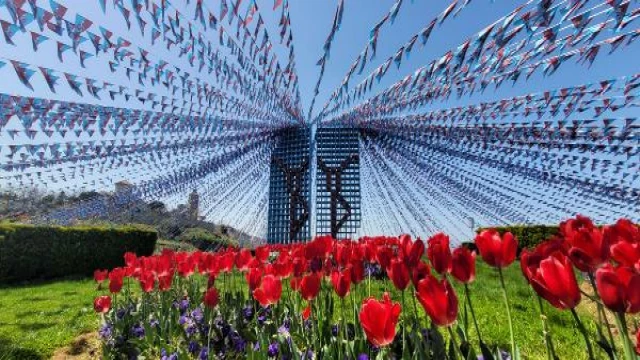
(37, 319)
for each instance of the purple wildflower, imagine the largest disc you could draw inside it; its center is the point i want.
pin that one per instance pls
(194, 347)
(137, 330)
(273, 350)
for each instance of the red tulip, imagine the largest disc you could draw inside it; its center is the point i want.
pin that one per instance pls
(226, 262)
(464, 265)
(357, 271)
(439, 253)
(438, 299)
(624, 238)
(399, 274)
(102, 304)
(262, 253)
(341, 281)
(116, 280)
(243, 258)
(319, 247)
(164, 282)
(283, 268)
(130, 259)
(619, 288)
(588, 249)
(186, 268)
(310, 286)
(254, 276)
(497, 251)
(211, 298)
(299, 266)
(269, 291)
(384, 256)
(306, 312)
(147, 281)
(421, 271)
(412, 251)
(343, 254)
(100, 275)
(551, 275)
(379, 320)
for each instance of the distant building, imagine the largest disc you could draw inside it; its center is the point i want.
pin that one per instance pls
(194, 205)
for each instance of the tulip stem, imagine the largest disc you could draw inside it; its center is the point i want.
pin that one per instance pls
(473, 313)
(455, 343)
(404, 326)
(506, 302)
(626, 342)
(551, 353)
(583, 330)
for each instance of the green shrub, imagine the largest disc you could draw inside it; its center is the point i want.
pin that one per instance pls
(204, 239)
(528, 235)
(40, 252)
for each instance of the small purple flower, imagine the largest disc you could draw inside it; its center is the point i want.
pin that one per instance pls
(121, 313)
(137, 330)
(334, 330)
(247, 312)
(106, 332)
(194, 347)
(182, 320)
(204, 354)
(363, 356)
(198, 315)
(183, 305)
(308, 324)
(191, 330)
(238, 342)
(308, 355)
(154, 323)
(273, 350)
(164, 355)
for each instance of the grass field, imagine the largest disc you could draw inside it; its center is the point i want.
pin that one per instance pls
(37, 319)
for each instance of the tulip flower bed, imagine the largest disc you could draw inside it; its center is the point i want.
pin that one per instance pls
(380, 297)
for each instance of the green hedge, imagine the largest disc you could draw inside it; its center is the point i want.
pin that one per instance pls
(528, 235)
(40, 252)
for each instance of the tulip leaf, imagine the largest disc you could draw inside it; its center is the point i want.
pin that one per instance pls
(604, 345)
(487, 354)
(467, 349)
(452, 350)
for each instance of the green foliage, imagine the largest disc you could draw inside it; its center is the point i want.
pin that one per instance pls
(204, 239)
(528, 235)
(41, 252)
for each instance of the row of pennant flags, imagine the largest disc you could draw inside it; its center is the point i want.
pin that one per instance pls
(256, 72)
(534, 36)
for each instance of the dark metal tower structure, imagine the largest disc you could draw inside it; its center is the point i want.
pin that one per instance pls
(289, 189)
(337, 181)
